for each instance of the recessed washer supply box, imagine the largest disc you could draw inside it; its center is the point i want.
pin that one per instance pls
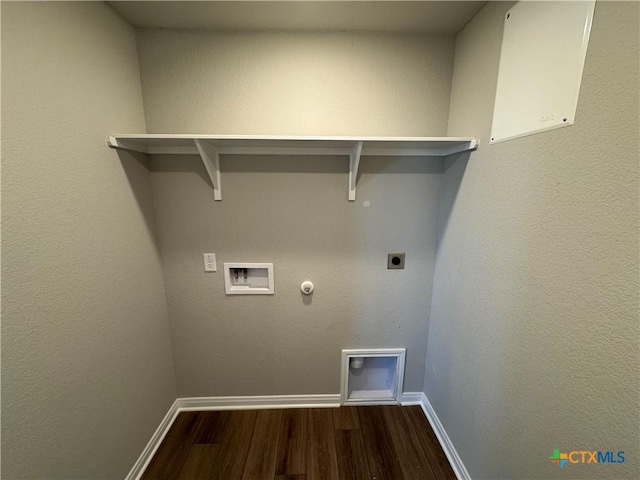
(248, 278)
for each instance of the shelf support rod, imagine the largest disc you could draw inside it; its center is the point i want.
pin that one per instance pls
(211, 159)
(354, 163)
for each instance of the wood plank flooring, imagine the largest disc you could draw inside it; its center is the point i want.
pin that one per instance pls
(346, 443)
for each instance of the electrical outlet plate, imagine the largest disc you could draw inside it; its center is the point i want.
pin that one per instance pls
(395, 261)
(210, 262)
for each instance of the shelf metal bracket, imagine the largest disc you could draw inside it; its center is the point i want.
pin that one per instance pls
(211, 159)
(354, 163)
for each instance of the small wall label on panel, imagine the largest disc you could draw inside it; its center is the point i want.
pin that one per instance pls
(544, 46)
(248, 279)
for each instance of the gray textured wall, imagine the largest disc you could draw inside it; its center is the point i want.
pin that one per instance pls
(295, 83)
(294, 211)
(533, 342)
(87, 373)
(534, 331)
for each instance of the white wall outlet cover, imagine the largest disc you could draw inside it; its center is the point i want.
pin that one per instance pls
(210, 262)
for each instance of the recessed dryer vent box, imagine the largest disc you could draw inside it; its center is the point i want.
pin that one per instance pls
(248, 278)
(372, 376)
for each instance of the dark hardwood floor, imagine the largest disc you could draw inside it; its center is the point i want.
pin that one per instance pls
(346, 443)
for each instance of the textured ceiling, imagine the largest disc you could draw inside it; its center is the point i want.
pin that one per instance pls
(437, 17)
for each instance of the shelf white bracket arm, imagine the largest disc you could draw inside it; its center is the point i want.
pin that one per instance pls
(211, 160)
(354, 163)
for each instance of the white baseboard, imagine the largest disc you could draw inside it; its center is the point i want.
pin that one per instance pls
(449, 450)
(224, 403)
(286, 401)
(261, 402)
(156, 439)
(411, 398)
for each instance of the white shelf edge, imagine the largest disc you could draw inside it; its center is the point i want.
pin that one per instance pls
(189, 136)
(210, 147)
(124, 142)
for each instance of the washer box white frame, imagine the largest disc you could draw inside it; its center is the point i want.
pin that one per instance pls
(398, 353)
(231, 289)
